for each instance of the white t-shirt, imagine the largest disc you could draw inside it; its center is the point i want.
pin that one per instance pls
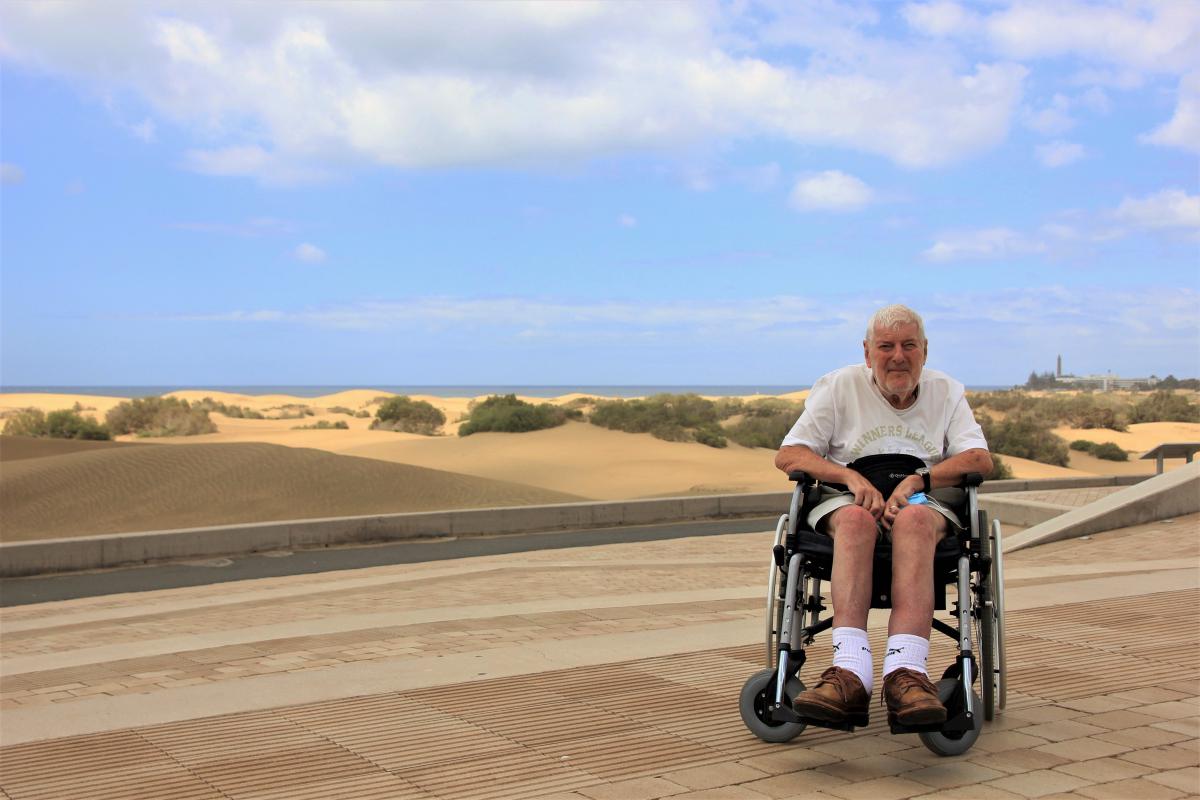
(846, 417)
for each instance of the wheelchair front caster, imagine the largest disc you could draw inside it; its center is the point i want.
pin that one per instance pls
(757, 695)
(954, 743)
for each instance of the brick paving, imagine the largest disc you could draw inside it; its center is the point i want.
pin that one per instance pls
(1104, 696)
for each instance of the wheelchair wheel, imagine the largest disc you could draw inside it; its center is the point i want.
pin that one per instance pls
(956, 743)
(757, 693)
(985, 612)
(997, 586)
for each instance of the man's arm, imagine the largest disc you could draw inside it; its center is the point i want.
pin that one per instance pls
(800, 457)
(949, 472)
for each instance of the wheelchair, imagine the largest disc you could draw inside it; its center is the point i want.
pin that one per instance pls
(801, 559)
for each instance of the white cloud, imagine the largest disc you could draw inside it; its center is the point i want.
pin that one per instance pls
(1149, 36)
(1183, 129)
(1059, 153)
(986, 243)
(627, 221)
(309, 253)
(940, 18)
(291, 90)
(1041, 320)
(1052, 120)
(830, 191)
(1170, 208)
(11, 174)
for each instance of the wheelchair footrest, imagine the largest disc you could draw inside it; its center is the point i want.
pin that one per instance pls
(957, 724)
(849, 724)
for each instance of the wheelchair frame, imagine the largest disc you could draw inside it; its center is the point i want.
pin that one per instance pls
(766, 700)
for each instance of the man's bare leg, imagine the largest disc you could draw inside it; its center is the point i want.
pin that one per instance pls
(915, 535)
(911, 697)
(854, 533)
(844, 692)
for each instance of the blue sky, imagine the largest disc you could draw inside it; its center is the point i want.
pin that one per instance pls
(579, 193)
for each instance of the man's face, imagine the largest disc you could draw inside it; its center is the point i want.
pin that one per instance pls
(896, 356)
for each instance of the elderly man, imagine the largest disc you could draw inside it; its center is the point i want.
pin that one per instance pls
(889, 405)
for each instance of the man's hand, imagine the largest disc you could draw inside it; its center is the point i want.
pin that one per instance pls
(865, 494)
(899, 498)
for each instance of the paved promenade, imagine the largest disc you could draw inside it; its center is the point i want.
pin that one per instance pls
(603, 672)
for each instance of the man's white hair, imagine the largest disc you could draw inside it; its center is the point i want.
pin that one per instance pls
(893, 316)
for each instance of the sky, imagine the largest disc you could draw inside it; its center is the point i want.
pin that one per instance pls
(663, 193)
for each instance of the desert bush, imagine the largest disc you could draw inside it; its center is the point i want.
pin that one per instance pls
(1165, 406)
(1024, 436)
(711, 434)
(323, 425)
(240, 412)
(764, 423)
(1000, 470)
(1110, 451)
(408, 415)
(159, 416)
(26, 422)
(349, 412)
(1085, 410)
(62, 424)
(292, 411)
(1082, 445)
(508, 414)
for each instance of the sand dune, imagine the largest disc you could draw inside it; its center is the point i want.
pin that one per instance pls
(17, 448)
(585, 459)
(121, 489)
(241, 473)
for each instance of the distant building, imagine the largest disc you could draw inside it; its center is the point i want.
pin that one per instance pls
(1102, 382)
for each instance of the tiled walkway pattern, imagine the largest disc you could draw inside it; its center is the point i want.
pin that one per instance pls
(1104, 697)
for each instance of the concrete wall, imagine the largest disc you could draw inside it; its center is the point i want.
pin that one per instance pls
(1165, 496)
(111, 550)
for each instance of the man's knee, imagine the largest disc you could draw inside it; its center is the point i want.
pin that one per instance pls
(853, 523)
(915, 522)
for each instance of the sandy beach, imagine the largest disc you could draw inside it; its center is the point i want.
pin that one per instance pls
(264, 469)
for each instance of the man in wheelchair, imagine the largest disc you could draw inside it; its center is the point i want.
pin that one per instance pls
(853, 419)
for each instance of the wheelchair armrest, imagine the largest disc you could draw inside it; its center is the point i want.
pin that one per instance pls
(798, 475)
(970, 479)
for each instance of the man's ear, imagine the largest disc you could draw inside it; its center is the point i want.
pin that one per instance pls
(867, 352)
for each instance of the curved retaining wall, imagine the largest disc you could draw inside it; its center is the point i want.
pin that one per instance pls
(112, 550)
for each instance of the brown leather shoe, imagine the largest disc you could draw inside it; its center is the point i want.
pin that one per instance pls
(839, 697)
(912, 699)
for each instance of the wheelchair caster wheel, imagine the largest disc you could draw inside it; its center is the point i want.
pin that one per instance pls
(953, 743)
(757, 694)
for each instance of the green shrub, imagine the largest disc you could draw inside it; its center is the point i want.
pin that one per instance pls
(764, 423)
(364, 414)
(408, 415)
(1082, 445)
(159, 416)
(62, 424)
(26, 422)
(1109, 451)
(1024, 437)
(67, 424)
(711, 435)
(292, 411)
(508, 414)
(1165, 406)
(349, 412)
(1000, 470)
(239, 412)
(323, 425)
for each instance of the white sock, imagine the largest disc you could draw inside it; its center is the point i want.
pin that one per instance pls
(852, 651)
(906, 650)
